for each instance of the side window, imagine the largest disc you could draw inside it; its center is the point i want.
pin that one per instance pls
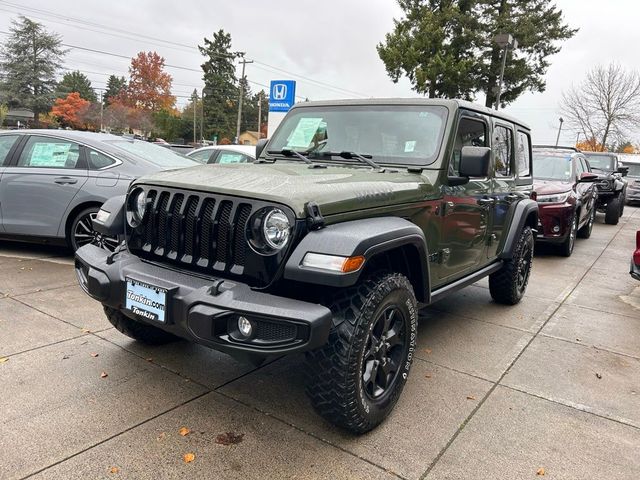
(46, 152)
(579, 168)
(523, 154)
(232, 157)
(202, 156)
(585, 165)
(6, 142)
(503, 150)
(97, 160)
(471, 133)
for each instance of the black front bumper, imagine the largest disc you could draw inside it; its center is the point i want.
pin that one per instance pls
(205, 310)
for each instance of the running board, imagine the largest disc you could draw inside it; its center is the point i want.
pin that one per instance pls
(442, 292)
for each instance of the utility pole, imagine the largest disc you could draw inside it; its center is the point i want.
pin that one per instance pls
(559, 130)
(244, 63)
(202, 117)
(259, 112)
(101, 111)
(194, 99)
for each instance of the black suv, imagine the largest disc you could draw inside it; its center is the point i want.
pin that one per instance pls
(612, 187)
(354, 214)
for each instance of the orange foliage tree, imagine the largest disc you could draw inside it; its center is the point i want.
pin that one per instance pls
(629, 149)
(149, 85)
(590, 145)
(68, 110)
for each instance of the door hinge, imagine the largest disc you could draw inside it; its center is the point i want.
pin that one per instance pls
(441, 256)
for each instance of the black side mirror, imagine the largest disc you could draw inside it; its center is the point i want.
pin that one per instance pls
(260, 146)
(588, 177)
(475, 161)
(623, 170)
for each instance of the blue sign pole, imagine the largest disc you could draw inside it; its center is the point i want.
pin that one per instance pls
(282, 95)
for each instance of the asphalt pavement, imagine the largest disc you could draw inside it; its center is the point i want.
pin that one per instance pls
(549, 388)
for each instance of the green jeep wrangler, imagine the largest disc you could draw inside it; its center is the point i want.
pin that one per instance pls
(354, 215)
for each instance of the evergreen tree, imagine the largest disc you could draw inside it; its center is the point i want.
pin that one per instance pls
(221, 90)
(76, 82)
(29, 61)
(115, 86)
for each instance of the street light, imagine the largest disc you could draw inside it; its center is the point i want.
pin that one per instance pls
(503, 40)
(559, 130)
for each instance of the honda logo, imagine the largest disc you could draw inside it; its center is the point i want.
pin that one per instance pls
(279, 91)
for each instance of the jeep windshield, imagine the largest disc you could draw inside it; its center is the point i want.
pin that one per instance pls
(634, 169)
(552, 167)
(398, 135)
(601, 162)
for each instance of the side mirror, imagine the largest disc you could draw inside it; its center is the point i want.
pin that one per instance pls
(475, 161)
(260, 146)
(623, 170)
(588, 177)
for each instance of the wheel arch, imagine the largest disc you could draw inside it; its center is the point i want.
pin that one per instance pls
(73, 213)
(525, 214)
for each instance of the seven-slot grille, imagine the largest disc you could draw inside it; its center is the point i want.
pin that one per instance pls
(193, 229)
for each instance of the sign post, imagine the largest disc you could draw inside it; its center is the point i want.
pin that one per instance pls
(282, 96)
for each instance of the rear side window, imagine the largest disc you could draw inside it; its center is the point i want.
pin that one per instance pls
(232, 157)
(202, 156)
(46, 152)
(98, 161)
(503, 150)
(523, 154)
(6, 142)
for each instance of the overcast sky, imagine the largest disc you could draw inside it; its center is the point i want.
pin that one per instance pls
(328, 47)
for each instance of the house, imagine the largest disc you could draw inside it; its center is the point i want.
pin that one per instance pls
(19, 117)
(248, 138)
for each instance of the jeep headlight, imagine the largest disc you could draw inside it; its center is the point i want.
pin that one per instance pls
(554, 198)
(269, 230)
(136, 207)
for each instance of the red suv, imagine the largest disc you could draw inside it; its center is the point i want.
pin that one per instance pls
(566, 196)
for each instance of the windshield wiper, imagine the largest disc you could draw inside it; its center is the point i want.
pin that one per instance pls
(350, 155)
(287, 152)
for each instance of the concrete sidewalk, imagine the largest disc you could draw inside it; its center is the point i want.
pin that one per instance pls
(550, 386)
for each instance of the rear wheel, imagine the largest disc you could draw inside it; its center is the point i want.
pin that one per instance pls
(612, 213)
(566, 247)
(356, 379)
(82, 232)
(139, 331)
(508, 284)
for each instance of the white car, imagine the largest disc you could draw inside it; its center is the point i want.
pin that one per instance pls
(224, 154)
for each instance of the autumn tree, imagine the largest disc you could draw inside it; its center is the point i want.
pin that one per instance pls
(590, 145)
(220, 85)
(149, 85)
(76, 81)
(4, 111)
(29, 61)
(115, 87)
(67, 110)
(605, 106)
(446, 48)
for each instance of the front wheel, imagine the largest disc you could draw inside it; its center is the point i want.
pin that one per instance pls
(81, 232)
(566, 248)
(356, 379)
(508, 284)
(612, 213)
(585, 231)
(147, 334)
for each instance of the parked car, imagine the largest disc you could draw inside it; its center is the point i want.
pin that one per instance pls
(632, 163)
(612, 187)
(635, 259)
(52, 182)
(224, 154)
(353, 214)
(566, 196)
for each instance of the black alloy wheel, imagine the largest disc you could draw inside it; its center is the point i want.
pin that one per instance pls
(82, 232)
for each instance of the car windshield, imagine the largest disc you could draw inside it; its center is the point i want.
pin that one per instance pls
(160, 156)
(389, 134)
(601, 162)
(552, 167)
(634, 169)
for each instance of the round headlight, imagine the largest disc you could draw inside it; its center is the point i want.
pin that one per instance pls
(140, 204)
(276, 229)
(136, 208)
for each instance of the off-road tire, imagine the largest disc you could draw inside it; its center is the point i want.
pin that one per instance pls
(587, 228)
(623, 200)
(566, 247)
(335, 383)
(507, 285)
(612, 213)
(147, 334)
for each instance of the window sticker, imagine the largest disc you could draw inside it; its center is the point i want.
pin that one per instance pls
(231, 158)
(304, 132)
(49, 155)
(409, 146)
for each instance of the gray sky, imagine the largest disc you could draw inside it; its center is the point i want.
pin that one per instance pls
(330, 43)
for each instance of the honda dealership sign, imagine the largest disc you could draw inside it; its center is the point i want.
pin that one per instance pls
(282, 95)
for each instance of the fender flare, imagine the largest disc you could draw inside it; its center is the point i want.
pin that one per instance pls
(113, 224)
(367, 237)
(521, 216)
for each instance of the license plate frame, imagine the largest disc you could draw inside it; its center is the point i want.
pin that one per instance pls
(146, 300)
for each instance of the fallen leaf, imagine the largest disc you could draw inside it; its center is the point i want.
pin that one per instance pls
(598, 376)
(86, 330)
(426, 350)
(4, 359)
(104, 375)
(65, 357)
(162, 436)
(578, 340)
(188, 457)
(184, 431)
(149, 359)
(428, 375)
(94, 354)
(540, 472)
(470, 397)
(114, 470)
(229, 438)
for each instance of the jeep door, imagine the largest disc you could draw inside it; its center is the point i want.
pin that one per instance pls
(464, 211)
(39, 184)
(585, 191)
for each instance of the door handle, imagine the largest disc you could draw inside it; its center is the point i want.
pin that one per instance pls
(486, 201)
(65, 180)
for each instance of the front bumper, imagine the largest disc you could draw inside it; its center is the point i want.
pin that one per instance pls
(554, 221)
(634, 270)
(633, 195)
(206, 311)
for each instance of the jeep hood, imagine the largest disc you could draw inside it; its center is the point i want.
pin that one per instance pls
(335, 189)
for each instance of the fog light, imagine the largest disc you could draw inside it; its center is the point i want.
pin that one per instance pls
(244, 326)
(556, 228)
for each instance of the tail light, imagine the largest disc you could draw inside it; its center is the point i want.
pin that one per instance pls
(636, 254)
